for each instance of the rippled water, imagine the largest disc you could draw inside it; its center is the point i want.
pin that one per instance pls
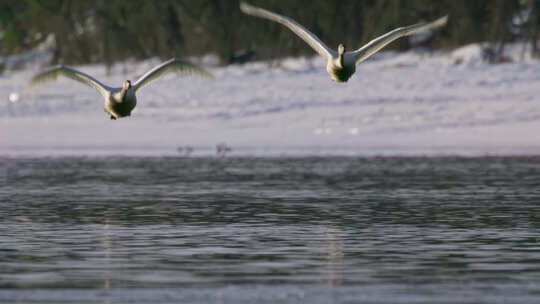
(269, 230)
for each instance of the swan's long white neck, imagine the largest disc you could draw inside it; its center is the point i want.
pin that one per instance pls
(341, 51)
(122, 93)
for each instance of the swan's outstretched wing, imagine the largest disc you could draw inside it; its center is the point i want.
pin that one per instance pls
(171, 65)
(378, 43)
(299, 30)
(53, 73)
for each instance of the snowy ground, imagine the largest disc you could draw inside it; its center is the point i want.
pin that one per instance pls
(406, 103)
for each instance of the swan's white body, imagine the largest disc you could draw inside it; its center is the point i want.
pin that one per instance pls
(119, 102)
(341, 65)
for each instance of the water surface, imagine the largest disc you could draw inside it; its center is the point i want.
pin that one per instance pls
(268, 230)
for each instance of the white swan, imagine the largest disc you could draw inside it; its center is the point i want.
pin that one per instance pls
(341, 65)
(119, 102)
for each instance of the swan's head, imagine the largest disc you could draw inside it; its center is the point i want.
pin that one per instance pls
(341, 49)
(126, 85)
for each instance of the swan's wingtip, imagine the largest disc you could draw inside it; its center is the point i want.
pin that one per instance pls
(38, 79)
(442, 21)
(209, 75)
(32, 84)
(245, 7)
(47, 75)
(171, 60)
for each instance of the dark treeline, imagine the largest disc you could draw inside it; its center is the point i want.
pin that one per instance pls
(111, 30)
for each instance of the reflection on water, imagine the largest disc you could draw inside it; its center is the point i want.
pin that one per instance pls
(318, 230)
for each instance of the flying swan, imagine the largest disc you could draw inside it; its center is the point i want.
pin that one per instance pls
(119, 102)
(341, 65)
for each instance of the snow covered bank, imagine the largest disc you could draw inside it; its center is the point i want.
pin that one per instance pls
(409, 103)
